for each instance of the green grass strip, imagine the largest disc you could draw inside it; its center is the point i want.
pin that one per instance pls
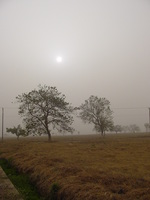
(20, 181)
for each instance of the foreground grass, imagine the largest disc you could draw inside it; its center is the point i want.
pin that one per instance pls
(85, 167)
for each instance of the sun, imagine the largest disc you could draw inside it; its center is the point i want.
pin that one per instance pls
(59, 59)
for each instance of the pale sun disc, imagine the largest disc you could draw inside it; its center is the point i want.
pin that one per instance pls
(59, 59)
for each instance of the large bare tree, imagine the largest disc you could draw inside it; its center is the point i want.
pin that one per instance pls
(45, 109)
(97, 111)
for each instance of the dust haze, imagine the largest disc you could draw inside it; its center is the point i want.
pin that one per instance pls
(104, 47)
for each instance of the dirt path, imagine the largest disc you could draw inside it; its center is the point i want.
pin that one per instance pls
(7, 189)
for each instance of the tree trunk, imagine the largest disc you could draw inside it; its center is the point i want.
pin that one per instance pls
(47, 129)
(102, 132)
(49, 136)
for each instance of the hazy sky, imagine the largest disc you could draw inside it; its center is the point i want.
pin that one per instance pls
(104, 44)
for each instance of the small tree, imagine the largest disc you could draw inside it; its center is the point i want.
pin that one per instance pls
(117, 128)
(97, 111)
(18, 131)
(45, 109)
(147, 126)
(134, 128)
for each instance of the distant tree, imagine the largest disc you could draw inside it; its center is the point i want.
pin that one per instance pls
(117, 128)
(125, 129)
(134, 128)
(97, 111)
(18, 131)
(147, 127)
(45, 109)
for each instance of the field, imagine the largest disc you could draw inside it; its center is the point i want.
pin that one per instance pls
(116, 167)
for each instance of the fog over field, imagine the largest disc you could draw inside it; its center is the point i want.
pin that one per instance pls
(104, 47)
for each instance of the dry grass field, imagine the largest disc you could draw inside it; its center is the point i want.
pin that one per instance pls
(116, 167)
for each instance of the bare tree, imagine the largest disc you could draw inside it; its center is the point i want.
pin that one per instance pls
(117, 128)
(97, 111)
(45, 109)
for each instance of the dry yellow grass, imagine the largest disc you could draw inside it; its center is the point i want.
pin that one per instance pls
(116, 167)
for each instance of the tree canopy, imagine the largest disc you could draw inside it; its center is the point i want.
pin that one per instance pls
(97, 111)
(18, 131)
(45, 109)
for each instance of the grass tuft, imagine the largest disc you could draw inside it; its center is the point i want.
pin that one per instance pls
(54, 192)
